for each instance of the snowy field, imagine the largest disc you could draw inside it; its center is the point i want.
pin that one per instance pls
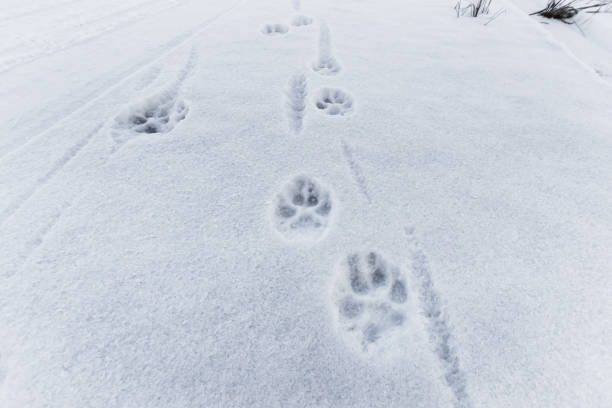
(325, 203)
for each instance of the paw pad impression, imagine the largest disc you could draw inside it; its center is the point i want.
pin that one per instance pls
(371, 301)
(303, 209)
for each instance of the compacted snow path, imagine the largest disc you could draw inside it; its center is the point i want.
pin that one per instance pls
(301, 203)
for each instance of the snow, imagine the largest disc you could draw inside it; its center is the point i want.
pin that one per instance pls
(155, 251)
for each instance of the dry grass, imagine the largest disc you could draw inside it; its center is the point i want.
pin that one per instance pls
(566, 10)
(474, 8)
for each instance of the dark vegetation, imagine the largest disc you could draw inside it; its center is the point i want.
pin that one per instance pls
(474, 8)
(566, 10)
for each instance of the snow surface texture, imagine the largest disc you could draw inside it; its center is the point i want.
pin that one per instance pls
(183, 224)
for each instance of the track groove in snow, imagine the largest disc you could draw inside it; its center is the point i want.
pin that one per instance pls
(170, 267)
(37, 10)
(41, 181)
(564, 48)
(177, 42)
(296, 102)
(98, 27)
(326, 63)
(355, 170)
(39, 239)
(438, 324)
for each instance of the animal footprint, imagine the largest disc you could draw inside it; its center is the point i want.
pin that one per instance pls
(334, 101)
(326, 64)
(159, 113)
(275, 29)
(301, 20)
(303, 210)
(371, 300)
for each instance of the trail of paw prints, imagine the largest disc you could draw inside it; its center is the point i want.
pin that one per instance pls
(303, 210)
(333, 101)
(438, 324)
(299, 20)
(326, 63)
(371, 302)
(275, 29)
(296, 102)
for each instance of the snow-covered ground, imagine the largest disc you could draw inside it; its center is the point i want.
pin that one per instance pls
(345, 203)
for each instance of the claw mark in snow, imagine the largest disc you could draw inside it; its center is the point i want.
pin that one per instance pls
(438, 324)
(296, 102)
(326, 64)
(80, 32)
(355, 170)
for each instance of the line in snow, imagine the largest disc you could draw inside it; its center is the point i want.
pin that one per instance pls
(296, 102)
(355, 170)
(438, 324)
(553, 40)
(182, 39)
(39, 239)
(57, 166)
(25, 13)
